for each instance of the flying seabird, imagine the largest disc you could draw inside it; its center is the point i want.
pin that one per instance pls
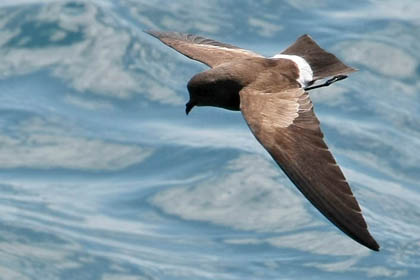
(272, 95)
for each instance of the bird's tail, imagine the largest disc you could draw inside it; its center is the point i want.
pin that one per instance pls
(323, 64)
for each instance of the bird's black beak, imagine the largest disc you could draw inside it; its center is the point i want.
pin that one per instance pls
(189, 106)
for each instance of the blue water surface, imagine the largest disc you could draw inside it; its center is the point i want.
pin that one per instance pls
(102, 176)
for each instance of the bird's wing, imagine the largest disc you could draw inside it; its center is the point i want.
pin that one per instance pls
(207, 51)
(284, 122)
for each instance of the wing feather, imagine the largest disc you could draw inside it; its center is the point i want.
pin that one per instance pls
(293, 138)
(207, 51)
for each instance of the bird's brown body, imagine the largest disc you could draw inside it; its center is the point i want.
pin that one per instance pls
(220, 86)
(272, 95)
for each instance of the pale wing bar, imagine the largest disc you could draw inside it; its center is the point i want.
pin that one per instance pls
(294, 139)
(207, 51)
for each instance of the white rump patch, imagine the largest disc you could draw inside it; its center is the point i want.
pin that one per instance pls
(305, 71)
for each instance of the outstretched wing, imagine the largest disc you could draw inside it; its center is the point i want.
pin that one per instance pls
(207, 51)
(285, 124)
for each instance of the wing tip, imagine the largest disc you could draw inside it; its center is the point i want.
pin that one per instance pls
(376, 249)
(164, 34)
(168, 37)
(154, 33)
(372, 244)
(148, 31)
(364, 238)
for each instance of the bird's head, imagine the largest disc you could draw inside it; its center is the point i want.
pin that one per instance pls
(212, 88)
(198, 92)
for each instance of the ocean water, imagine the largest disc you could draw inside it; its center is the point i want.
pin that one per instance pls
(102, 176)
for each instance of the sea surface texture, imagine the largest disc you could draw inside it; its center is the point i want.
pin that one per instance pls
(103, 176)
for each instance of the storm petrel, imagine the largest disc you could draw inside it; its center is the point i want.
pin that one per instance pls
(272, 95)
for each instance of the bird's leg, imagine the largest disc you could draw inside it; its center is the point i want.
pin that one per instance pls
(328, 82)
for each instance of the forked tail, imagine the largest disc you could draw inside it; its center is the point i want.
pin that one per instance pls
(323, 64)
